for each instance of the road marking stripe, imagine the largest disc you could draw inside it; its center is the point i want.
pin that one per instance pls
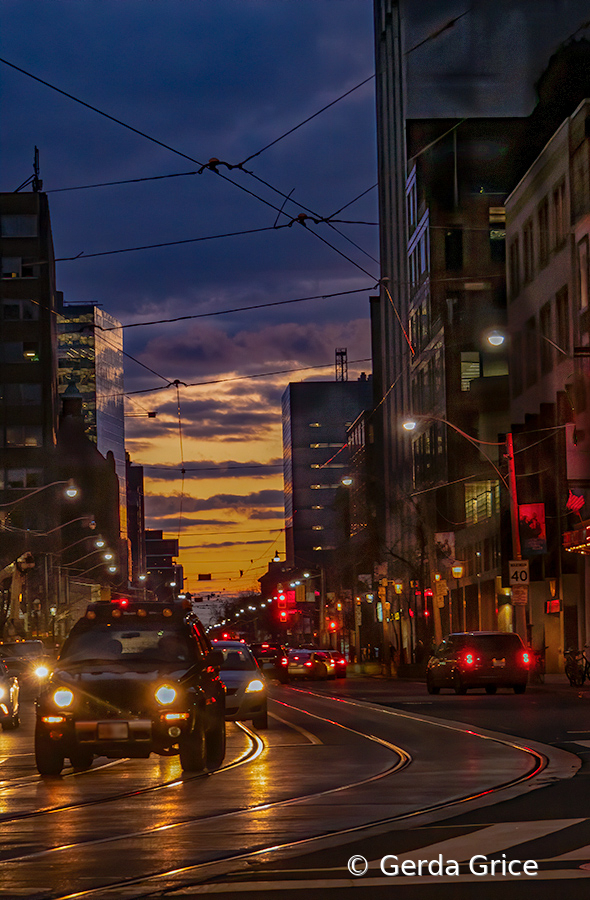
(234, 888)
(487, 841)
(582, 743)
(312, 738)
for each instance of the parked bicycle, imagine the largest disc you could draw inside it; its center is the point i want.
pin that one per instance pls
(577, 667)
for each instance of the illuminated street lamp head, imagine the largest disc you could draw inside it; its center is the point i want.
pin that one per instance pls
(276, 558)
(409, 425)
(142, 577)
(347, 481)
(71, 490)
(457, 571)
(112, 569)
(496, 338)
(107, 556)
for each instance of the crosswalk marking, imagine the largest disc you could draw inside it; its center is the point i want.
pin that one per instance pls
(488, 840)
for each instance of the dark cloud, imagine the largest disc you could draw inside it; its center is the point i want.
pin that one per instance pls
(168, 505)
(206, 469)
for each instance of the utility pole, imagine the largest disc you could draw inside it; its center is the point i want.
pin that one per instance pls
(520, 600)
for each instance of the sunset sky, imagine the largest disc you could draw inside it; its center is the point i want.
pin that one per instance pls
(225, 78)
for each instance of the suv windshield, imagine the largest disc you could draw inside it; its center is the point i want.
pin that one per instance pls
(128, 641)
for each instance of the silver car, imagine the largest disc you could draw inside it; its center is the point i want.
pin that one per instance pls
(245, 685)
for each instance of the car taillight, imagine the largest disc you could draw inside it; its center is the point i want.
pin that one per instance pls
(469, 659)
(308, 664)
(284, 661)
(341, 662)
(526, 658)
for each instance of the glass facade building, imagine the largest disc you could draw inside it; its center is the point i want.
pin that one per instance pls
(91, 356)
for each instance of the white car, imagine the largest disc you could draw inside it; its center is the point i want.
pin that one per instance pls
(245, 685)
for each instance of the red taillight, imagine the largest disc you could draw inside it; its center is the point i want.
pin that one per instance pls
(341, 662)
(469, 659)
(284, 661)
(526, 658)
(308, 664)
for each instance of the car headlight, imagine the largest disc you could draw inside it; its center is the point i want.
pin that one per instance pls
(63, 697)
(41, 671)
(165, 694)
(255, 685)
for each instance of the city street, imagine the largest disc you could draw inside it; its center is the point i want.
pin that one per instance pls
(364, 767)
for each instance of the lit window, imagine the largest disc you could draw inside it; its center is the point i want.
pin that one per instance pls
(317, 507)
(317, 548)
(470, 369)
(24, 436)
(315, 425)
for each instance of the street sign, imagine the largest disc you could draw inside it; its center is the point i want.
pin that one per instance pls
(520, 595)
(518, 572)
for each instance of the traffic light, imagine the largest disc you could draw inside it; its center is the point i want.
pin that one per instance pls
(332, 626)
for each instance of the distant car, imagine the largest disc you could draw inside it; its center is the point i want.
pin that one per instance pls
(272, 659)
(245, 685)
(307, 664)
(29, 661)
(488, 659)
(340, 661)
(9, 697)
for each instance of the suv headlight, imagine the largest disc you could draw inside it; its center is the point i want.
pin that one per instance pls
(255, 685)
(165, 694)
(41, 671)
(63, 697)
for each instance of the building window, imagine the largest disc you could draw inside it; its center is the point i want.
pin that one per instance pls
(470, 369)
(321, 446)
(563, 320)
(527, 251)
(543, 226)
(547, 349)
(23, 478)
(19, 226)
(514, 268)
(24, 436)
(560, 227)
(516, 367)
(16, 267)
(15, 394)
(19, 351)
(481, 500)
(315, 424)
(317, 527)
(497, 226)
(530, 352)
(583, 272)
(19, 311)
(454, 249)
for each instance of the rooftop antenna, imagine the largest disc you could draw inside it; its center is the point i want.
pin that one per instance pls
(33, 179)
(341, 364)
(37, 184)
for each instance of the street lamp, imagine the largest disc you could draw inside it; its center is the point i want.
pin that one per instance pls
(70, 492)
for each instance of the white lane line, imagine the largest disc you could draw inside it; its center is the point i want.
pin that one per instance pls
(582, 743)
(235, 888)
(312, 738)
(488, 840)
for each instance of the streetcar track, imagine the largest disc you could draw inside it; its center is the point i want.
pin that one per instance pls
(257, 745)
(219, 865)
(403, 759)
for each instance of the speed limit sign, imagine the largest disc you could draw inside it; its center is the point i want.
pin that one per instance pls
(518, 572)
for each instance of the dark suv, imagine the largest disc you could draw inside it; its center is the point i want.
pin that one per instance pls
(272, 659)
(132, 678)
(488, 659)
